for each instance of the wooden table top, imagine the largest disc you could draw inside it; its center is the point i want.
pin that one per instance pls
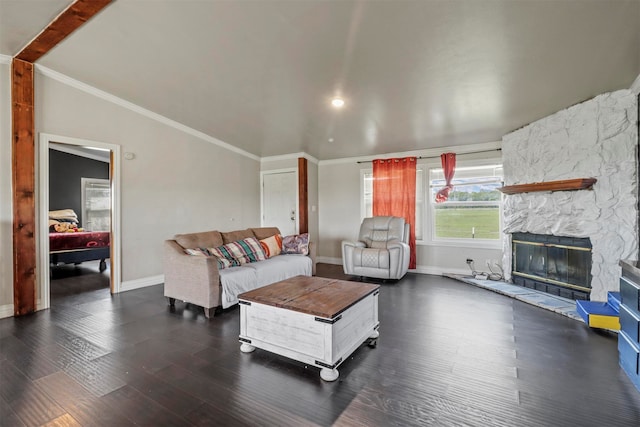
(317, 296)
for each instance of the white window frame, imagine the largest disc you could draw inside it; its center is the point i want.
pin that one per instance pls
(429, 235)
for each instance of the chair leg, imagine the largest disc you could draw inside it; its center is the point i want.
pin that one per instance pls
(172, 301)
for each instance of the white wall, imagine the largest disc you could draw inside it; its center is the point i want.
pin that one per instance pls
(6, 210)
(291, 162)
(177, 182)
(340, 217)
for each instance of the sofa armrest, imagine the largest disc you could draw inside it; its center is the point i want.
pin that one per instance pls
(399, 254)
(190, 278)
(347, 254)
(356, 244)
(396, 243)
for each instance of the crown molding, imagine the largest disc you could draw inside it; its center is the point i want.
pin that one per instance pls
(289, 157)
(427, 152)
(5, 59)
(62, 78)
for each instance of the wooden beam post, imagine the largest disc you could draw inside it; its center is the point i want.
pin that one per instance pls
(23, 147)
(303, 195)
(24, 212)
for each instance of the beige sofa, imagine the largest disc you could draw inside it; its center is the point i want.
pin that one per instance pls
(198, 280)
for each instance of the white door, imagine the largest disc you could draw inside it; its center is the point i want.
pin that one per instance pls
(279, 201)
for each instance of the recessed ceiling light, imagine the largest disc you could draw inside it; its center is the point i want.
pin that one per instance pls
(337, 102)
(330, 139)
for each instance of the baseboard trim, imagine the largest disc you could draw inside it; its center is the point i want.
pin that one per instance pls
(130, 285)
(329, 260)
(6, 311)
(439, 271)
(433, 270)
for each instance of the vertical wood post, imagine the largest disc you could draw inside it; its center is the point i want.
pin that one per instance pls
(24, 212)
(303, 195)
(23, 147)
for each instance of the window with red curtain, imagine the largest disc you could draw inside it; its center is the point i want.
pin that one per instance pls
(394, 194)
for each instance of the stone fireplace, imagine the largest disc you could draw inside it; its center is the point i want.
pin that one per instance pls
(594, 139)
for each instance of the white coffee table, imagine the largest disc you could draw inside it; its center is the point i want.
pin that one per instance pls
(313, 320)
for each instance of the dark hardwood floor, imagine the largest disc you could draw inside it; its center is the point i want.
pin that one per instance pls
(449, 354)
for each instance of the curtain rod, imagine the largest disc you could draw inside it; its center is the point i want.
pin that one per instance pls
(435, 157)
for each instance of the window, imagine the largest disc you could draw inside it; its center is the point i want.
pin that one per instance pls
(366, 208)
(470, 216)
(96, 204)
(473, 208)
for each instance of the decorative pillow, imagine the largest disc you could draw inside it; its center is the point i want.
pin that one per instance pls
(196, 252)
(272, 246)
(243, 251)
(202, 252)
(296, 244)
(224, 262)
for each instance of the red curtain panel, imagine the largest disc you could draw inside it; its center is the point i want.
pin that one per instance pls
(449, 167)
(394, 194)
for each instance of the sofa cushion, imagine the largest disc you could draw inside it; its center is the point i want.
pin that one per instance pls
(296, 244)
(279, 268)
(264, 232)
(234, 236)
(205, 239)
(241, 252)
(272, 246)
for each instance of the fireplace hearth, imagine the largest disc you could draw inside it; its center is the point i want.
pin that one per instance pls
(553, 264)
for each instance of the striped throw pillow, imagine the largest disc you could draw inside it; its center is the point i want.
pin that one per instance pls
(242, 251)
(203, 252)
(272, 246)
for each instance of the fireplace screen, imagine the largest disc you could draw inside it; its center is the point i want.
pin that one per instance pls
(557, 265)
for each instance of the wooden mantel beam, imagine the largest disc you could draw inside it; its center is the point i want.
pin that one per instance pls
(66, 23)
(564, 185)
(23, 147)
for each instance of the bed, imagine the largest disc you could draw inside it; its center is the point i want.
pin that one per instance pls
(79, 247)
(69, 244)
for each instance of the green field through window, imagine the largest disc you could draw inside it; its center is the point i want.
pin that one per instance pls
(459, 222)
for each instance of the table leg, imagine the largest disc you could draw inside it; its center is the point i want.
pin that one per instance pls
(329, 374)
(246, 348)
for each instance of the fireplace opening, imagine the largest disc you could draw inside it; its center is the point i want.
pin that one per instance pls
(556, 265)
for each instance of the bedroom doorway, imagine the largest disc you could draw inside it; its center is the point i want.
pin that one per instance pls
(79, 190)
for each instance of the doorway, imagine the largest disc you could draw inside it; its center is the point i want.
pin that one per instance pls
(102, 249)
(280, 200)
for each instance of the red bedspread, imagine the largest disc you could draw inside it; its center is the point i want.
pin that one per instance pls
(79, 240)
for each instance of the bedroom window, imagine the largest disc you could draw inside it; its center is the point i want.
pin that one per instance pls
(366, 208)
(96, 204)
(472, 212)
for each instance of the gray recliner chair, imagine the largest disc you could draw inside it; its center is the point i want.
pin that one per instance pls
(382, 249)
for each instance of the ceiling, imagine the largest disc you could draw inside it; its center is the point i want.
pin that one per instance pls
(259, 75)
